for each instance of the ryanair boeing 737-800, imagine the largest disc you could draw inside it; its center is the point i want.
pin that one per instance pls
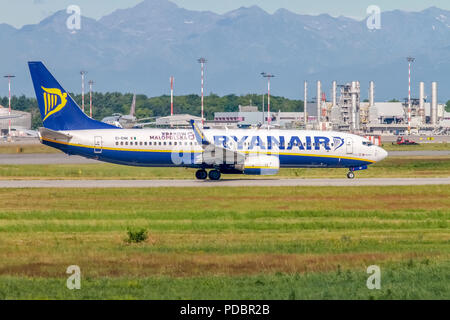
(233, 151)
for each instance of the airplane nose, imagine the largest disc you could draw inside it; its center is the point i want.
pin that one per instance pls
(381, 154)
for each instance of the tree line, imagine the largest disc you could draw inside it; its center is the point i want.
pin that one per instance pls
(105, 104)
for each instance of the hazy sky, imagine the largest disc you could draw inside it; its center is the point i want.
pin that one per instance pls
(20, 12)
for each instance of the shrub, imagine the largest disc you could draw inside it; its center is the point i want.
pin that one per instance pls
(136, 236)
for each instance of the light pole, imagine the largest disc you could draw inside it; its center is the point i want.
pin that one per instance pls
(410, 60)
(202, 62)
(83, 73)
(9, 76)
(171, 96)
(263, 108)
(90, 97)
(305, 103)
(268, 76)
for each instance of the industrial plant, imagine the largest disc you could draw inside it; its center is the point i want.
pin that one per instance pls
(346, 112)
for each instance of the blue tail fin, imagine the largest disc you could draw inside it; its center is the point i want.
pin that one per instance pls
(58, 110)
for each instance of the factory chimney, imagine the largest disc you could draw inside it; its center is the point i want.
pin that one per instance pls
(434, 102)
(371, 94)
(353, 113)
(334, 93)
(422, 101)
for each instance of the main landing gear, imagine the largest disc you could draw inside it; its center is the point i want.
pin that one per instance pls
(202, 174)
(350, 175)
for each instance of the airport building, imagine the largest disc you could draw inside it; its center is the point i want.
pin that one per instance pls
(20, 121)
(248, 116)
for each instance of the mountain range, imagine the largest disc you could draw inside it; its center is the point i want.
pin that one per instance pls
(139, 48)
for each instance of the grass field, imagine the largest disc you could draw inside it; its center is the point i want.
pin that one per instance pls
(421, 147)
(227, 243)
(395, 167)
(8, 148)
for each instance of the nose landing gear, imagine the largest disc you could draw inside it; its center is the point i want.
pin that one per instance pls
(351, 173)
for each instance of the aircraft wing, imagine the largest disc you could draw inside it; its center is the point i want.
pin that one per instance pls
(213, 154)
(53, 135)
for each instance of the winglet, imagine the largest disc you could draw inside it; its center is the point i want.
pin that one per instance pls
(199, 135)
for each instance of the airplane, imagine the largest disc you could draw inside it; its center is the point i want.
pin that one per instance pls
(221, 151)
(127, 121)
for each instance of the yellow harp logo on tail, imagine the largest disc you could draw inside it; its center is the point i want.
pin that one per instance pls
(54, 101)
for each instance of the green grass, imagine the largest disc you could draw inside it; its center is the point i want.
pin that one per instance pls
(32, 147)
(393, 167)
(252, 243)
(444, 146)
(428, 280)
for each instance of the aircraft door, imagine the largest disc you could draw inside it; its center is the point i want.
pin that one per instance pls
(349, 145)
(98, 144)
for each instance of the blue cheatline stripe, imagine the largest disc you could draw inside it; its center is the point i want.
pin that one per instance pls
(163, 158)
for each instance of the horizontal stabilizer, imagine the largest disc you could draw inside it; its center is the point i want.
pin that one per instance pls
(53, 135)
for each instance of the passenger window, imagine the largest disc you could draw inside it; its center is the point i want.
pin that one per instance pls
(145, 143)
(126, 143)
(140, 143)
(117, 143)
(121, 143)
(170, 143)
(159, 143)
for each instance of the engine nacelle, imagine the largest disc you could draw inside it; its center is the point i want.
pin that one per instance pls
(261, 165)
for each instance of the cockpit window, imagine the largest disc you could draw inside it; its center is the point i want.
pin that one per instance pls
(367, 143)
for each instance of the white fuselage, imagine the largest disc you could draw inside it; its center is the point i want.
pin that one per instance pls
(157, 147)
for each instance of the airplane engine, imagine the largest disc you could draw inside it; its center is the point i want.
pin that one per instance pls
(261, 165)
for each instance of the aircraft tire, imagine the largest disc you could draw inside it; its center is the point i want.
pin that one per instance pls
(350, 175)
(201, 174)
(214, 175)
